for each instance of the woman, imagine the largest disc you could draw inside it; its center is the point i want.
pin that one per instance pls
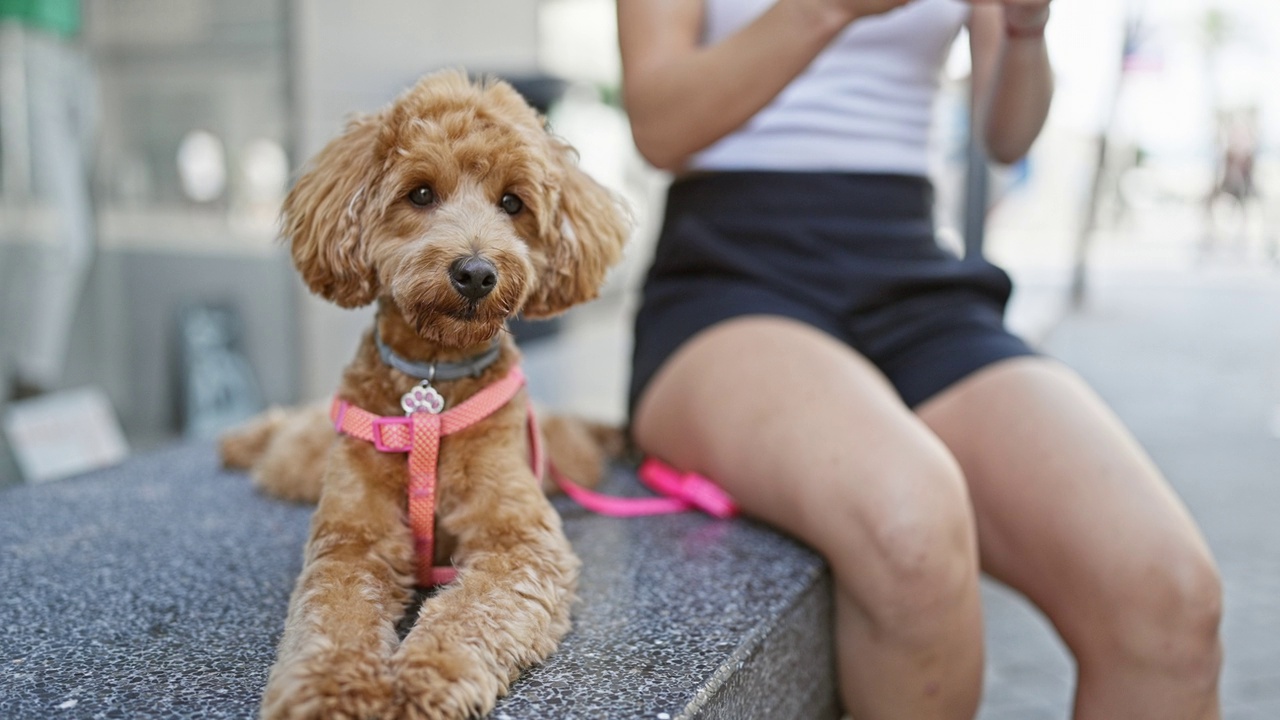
(803, 341)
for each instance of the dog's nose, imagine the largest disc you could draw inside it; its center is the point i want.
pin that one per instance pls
(473, 277)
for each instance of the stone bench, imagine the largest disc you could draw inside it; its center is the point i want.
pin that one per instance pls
(158, 589)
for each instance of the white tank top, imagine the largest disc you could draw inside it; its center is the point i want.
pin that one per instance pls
(864, 104)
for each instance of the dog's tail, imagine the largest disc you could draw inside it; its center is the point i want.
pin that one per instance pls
(284, 449)
(243, 446)
(581, 450)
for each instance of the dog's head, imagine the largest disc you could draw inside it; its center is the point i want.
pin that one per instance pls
(455, 204)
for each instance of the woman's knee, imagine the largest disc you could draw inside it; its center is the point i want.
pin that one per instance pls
(910, 560)
(1166, 619)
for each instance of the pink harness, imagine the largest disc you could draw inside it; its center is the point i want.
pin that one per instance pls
(419, 434)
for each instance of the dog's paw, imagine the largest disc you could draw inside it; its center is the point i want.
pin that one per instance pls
(449, 684)
(342, 684)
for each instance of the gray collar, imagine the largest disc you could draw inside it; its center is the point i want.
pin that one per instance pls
(438, 371)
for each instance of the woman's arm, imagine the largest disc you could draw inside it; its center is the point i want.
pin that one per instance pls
(682, 97)
(1012, 79)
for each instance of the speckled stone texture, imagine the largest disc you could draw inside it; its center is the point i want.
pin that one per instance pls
(159, 589)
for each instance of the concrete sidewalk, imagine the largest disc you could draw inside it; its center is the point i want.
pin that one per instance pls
(1189, 357)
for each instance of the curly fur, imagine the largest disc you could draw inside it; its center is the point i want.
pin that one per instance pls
(356, 239)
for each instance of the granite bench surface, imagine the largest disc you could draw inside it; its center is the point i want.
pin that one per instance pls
(159, 588)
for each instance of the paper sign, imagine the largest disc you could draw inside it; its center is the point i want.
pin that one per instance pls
(64, 433)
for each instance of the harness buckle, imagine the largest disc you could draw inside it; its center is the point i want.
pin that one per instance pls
(376, 432)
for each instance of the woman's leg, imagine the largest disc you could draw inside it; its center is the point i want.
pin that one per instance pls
(1071, 512)
(808, 436)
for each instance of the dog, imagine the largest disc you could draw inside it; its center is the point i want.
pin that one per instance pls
(454, 209)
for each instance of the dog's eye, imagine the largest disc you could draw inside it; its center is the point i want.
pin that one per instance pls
(422, 196)
(511, 204)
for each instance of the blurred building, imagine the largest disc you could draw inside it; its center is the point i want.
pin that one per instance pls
(202, 111)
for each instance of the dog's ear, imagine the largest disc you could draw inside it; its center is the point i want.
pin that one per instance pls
(326, 213)
(582, 237)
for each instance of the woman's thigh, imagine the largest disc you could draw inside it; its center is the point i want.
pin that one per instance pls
(808, 436)
(1069, 509)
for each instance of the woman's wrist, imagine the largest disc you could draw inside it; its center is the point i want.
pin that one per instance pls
(1025, 25)
(1016, 32)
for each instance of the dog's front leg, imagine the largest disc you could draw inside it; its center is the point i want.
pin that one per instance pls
(340, 633)
(508, 608)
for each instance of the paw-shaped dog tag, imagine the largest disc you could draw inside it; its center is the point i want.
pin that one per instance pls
(422, 398)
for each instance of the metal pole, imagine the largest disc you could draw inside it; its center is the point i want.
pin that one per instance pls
(975, 190)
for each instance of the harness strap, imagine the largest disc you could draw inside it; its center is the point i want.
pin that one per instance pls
(419, 435)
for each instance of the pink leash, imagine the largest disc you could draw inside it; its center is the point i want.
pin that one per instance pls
(681, 491)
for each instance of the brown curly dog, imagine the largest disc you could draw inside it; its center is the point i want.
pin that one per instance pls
(453, 209)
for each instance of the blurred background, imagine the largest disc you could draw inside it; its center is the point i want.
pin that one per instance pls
(145, 146)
